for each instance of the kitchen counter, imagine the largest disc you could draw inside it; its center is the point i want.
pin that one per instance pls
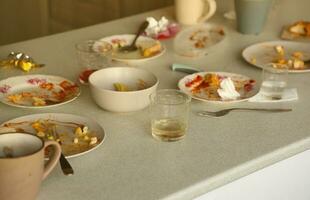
(130, 164)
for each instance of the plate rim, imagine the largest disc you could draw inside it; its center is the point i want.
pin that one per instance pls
(37, 75)
(269, 42)
(215, 101)
(67, 114)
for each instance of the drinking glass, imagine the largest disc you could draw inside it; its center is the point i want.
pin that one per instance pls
(169, 110)
(274, 81)
(92, 55)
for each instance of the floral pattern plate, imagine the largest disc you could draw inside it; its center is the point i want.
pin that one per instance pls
(189, 85)
(37, 91)
(62, 128)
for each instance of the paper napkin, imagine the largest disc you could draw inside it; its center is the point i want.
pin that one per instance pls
(289, 94)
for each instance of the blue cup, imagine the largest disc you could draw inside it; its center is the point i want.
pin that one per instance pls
(251, 15)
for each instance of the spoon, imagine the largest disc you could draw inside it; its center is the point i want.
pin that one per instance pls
(64, 163)
(132, 46)
(221, 113)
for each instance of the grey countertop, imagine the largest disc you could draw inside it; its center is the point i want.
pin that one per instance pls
(131, 164)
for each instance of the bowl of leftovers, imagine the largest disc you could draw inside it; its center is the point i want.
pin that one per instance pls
(122, 89)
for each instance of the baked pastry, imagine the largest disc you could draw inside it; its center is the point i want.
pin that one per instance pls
(300, 28)
(150, 48)
(295, 61)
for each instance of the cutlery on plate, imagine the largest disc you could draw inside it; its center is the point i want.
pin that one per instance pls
(132, 46)
(64, 163)
(221, 113)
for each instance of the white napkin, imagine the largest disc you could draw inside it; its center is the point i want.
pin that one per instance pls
(289, 94)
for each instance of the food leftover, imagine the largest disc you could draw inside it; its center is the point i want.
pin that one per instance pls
(219, 87)
(293, 61)
(121, 87)
(300, 28)
(73, 137)
(45, 93)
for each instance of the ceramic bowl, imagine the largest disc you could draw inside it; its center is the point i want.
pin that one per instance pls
(104, 94)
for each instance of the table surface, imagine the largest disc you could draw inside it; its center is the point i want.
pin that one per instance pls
(130, 164)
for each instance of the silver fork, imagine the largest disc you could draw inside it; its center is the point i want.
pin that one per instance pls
(221, 113)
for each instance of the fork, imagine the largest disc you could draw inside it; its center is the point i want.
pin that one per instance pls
(221, 113)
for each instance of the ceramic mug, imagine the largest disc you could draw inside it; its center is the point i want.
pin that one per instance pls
(189, 12)
(252, 15)
(22, 167)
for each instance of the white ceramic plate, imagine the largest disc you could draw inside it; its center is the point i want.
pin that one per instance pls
(19, 91)
(134, 56)
(66, 124)
(263, 53)
(198, 40)
(203, 97)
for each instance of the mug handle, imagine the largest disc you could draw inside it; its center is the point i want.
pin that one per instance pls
(211, 4)
(53, 160)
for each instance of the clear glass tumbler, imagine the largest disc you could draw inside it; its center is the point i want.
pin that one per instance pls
(169, 110)
(92, 55)
(274, 81)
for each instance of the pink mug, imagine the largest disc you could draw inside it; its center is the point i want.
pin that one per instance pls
(22, 167)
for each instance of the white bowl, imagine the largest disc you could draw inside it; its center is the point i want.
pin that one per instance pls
(103, 92)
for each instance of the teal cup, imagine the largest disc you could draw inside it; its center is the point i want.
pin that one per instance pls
(251, 15)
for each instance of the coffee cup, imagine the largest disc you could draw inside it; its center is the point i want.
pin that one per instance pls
(252, 15)
(22, 168)
(190, 12)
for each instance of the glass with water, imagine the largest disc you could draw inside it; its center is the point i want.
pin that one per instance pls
(169, 111)
(274, 81)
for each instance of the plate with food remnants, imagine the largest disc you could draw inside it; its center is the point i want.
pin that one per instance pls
(197, 40)
(147, 48)
(281, 54)
(219, 87)
(77, 135)
(37, 91)
(298, 31)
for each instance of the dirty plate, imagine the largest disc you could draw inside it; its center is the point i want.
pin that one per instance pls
(194, 86)
(155, 48)
(264, 53)
(62, 128)
(197, 40)
(37, 91)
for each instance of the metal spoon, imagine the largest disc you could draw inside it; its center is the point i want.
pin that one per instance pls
(64, 163)
(221, 113)
(132, 46)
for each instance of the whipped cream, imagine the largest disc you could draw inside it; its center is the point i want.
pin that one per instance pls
(155, 26)
(227, 90)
